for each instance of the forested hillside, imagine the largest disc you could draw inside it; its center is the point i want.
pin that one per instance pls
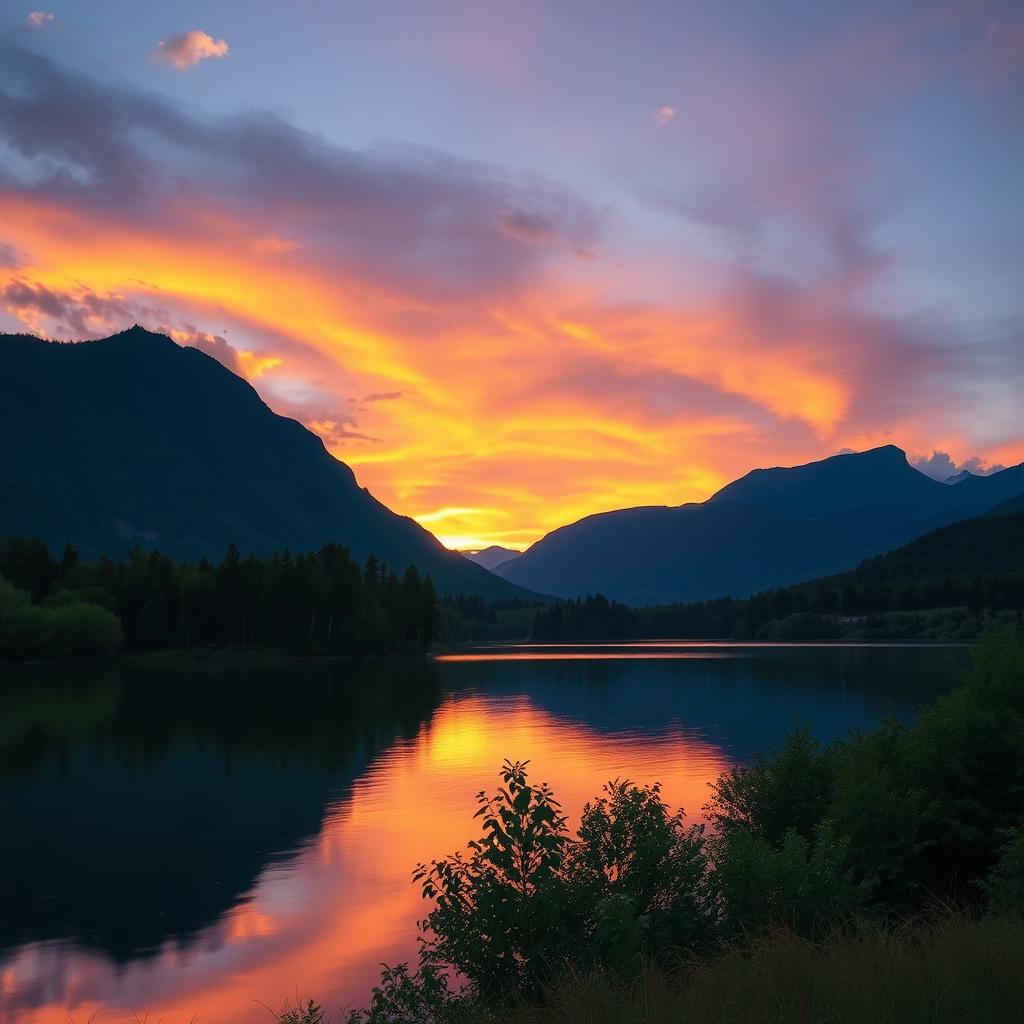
(937, 586)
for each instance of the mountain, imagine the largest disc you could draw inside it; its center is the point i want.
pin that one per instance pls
(1012, 507)
(492, 557)
(989, 545)
(959, 478)
(135, 440)
(770, 528)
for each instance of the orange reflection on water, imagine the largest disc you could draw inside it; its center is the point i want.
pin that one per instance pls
(581, 656)
(320, 924)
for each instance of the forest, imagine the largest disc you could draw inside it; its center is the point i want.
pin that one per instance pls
(939, 586)
(318, 602)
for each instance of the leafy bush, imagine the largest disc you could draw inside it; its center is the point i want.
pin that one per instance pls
(1005, 886)
(785, 791)
(794, 884)
(77, 631)
(500, 914)
(637, 878)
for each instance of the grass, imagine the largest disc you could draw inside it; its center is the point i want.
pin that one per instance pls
(946, 968)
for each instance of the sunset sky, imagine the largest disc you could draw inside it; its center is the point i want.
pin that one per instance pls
(521, 262)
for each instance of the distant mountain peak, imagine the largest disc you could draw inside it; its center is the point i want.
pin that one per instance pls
(138, 333)
(769, 528)
(883, 451)
(959, 478)
(491, 557)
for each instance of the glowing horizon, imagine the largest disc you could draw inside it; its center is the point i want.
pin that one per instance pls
(539, 268)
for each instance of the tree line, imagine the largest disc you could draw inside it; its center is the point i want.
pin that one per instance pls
(940, 582)
(799, 612)
(320, 600)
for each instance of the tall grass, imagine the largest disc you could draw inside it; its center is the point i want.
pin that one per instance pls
(945, 968)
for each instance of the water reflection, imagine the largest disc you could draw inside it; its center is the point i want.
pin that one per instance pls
(192, 841)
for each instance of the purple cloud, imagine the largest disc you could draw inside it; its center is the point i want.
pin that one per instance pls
(941, 466)
(426, 219)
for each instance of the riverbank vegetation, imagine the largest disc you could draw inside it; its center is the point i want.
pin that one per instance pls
(812, 896)
(322, 602)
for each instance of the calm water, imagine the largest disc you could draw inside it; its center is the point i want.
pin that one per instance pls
(189, 840)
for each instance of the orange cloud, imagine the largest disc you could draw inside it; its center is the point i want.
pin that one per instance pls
(187, 49)
(509, 387)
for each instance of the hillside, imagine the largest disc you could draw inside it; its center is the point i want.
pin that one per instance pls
(939, 586)
(134, 440)
(771, 528)
(982, 546)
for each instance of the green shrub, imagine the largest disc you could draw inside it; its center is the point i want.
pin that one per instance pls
(501, 914)
(74, 631)
(776, 794)
(1005, 885)
(795, 884)
(637, 878)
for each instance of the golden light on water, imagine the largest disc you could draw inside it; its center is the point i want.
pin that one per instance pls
(319, 924)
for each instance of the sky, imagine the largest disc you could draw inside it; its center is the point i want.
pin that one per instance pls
(520, 263)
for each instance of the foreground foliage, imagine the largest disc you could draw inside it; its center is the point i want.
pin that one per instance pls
(946, 969)
(804, 841)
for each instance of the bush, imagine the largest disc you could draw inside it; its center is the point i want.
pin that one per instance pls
(787, 790)
(1005, 886)
(74, 631)
(637, 878)
(501, 915)
(796, 885)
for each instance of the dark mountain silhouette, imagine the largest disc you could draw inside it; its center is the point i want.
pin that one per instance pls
(986, 545)
(136, 440)
(959, 478)
(492, 557)
(770, 528)
(1012, 507)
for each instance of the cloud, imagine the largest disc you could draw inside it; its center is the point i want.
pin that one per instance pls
(271, 246)
(78, 314)
(536, 386)
(10, 258)
(527, 227)
(187, 49)
(427, 218)
(663, 115)
(384, 396)
(941, 466)
(335, 433)
(39, 19)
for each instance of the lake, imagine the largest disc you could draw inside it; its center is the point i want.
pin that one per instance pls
(197, 838)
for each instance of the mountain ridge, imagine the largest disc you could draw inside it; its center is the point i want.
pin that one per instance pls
(134, 439)
(770, 527)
